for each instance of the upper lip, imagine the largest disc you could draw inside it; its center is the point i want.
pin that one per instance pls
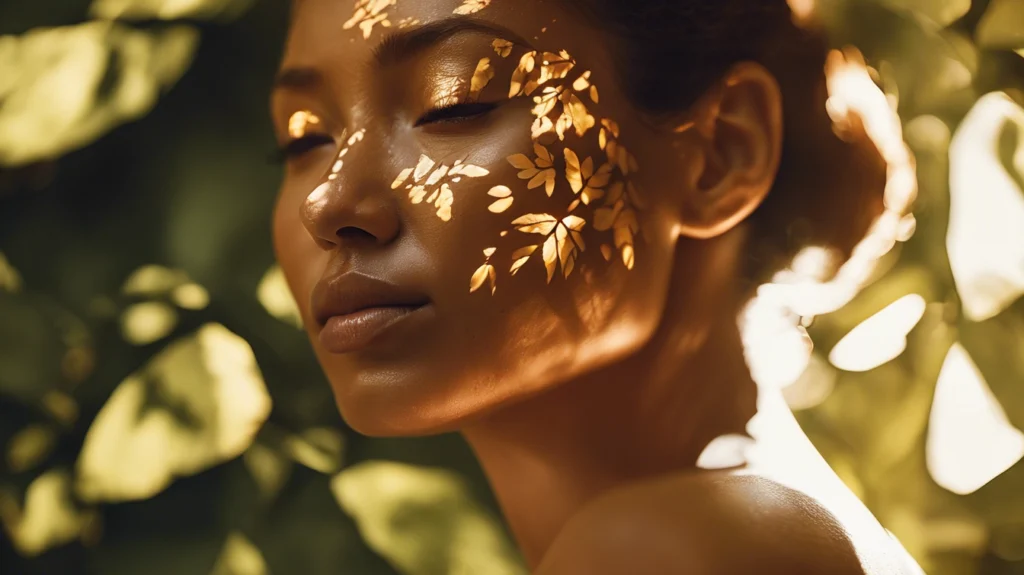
(351, 292)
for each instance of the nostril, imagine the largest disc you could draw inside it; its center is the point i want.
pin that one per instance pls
(353, 234)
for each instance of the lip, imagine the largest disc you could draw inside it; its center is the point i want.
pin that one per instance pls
(354, 310)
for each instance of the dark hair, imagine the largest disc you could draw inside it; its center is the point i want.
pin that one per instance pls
(671, 51)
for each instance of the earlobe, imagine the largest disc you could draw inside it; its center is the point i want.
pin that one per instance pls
(737, 135)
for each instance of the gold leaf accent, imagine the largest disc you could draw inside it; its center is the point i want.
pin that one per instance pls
(490, 252)
(573, 171)
(582, 83)
(472, 6)
(550, 255)
(521, 256)
(425, 165)
(300, 121)
(401, 179)
(523, 69)
(499, 192)
(536, 223)
(369, 13)
(501, 205)
(594, 96)
(481, 77)
(482, 274)
(606, 251)
(502, 48)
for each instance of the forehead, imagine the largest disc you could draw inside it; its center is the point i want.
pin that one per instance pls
(341, 33)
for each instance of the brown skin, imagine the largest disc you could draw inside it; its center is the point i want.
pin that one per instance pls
(589, 399)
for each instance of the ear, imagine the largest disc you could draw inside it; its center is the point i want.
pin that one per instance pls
(736, 136)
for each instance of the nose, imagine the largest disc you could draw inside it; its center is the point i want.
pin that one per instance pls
(351, 204)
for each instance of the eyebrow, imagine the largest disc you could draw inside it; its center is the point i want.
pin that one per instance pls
(404, 44)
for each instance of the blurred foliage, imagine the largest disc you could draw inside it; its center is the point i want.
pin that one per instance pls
(144, 328)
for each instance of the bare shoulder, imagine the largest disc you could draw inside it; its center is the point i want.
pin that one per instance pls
(703, 524)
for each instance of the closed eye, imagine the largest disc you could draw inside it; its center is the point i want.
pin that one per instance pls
(456, 113)
(300, 146)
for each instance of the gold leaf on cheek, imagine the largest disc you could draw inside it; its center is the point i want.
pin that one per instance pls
(481, 77)
(425, 165)
(502, 48)
(523, 69)
(482, 274)
(402, 177)
(505, 199)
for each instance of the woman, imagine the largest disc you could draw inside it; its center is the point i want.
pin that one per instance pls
(536, 222)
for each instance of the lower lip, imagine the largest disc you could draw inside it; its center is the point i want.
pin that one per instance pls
(355, 331)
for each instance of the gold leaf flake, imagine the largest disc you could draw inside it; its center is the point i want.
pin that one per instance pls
(300, 121)
(408, 21)
(417, 194)
(369, 13)
(402, 177)
(425, 165)
(544, 157)
(471, 171)
(550, 255)
(490, 252)
(611, 126)
(479, 277)
(525, 66)
(499, 192)
(520, 162)
(471, 6)
(436, 175)
(502, 47)
(535, 223)
(628, 257)
(606, 251)
(582, 83)
(594, 96)
(481, 77)
(501, 205)
(573, 172)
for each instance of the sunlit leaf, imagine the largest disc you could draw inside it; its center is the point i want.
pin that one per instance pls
(145, 323)
(277, 299)
(49, 517)
(240, 557)
(985, 240)
(197, 403)
(10, 280)
(424, 521)
(1002, 26)
(168, 9)
(29, 447)
(880, 338)
(61, 88)
(269, 468)
(970, 440)
(191, 296)
(943, 12)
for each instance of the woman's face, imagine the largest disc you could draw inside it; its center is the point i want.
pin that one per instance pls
(472, 211)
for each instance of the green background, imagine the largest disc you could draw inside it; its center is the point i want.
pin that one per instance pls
(146, 142)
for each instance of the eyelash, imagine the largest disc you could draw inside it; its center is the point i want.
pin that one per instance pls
(453, 114)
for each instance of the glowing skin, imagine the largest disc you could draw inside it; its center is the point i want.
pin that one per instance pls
(606, 353)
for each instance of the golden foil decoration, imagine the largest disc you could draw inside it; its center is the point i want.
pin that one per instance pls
(502, 47)
(300, 121)
(472, 6)
(433, 183)
(370, 13)
(481, 77)
(561, 113)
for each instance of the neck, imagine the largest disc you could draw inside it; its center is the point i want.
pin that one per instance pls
(648, 415)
